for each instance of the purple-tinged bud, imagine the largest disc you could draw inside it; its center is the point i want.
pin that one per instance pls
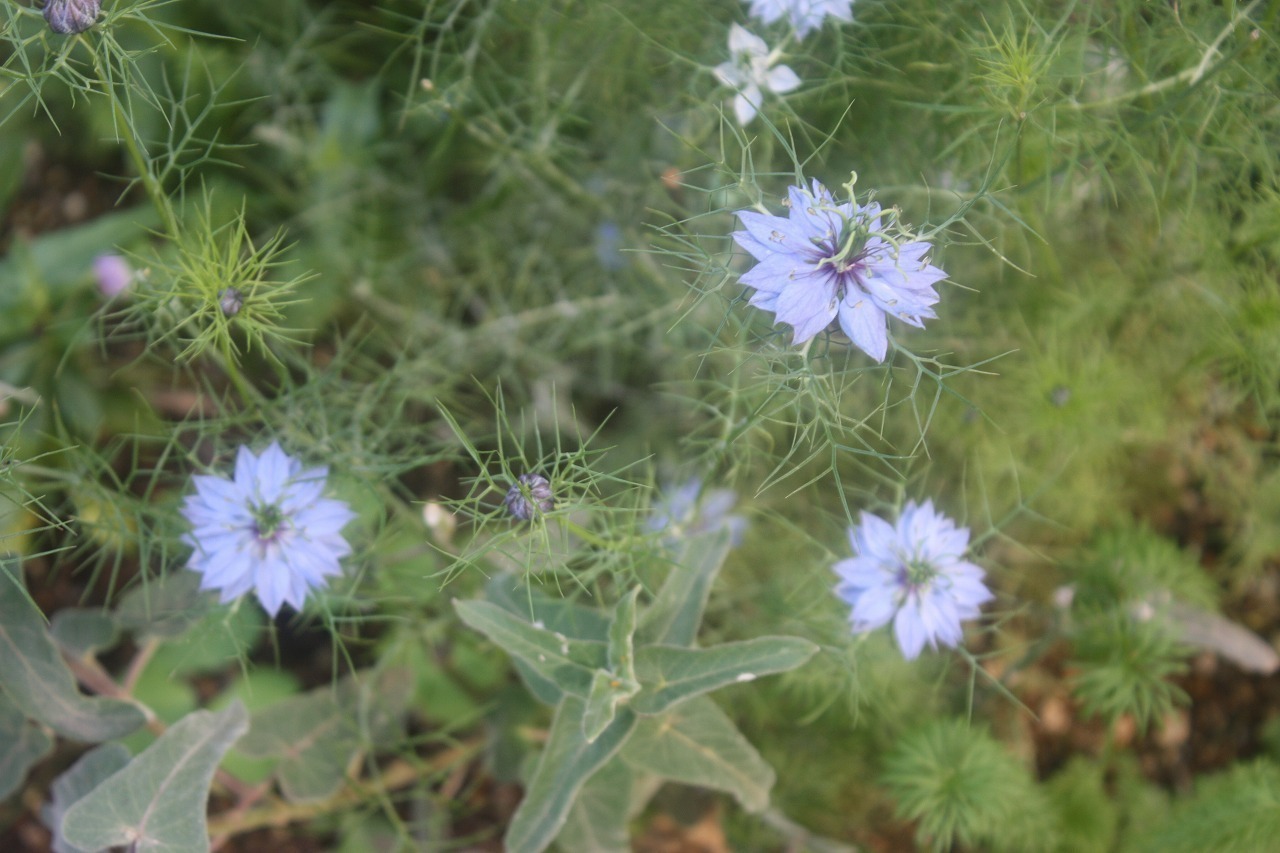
(69, 17)
(529, 496)
(230, 301)
(114, 275)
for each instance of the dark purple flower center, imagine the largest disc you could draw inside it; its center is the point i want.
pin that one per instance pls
(915, 573)
(268, 523)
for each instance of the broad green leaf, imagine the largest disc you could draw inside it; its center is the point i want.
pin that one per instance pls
(566, 662)
(696, 743)
(21, 746)
(83, 631)
(35, 677)
(675, 614)
(317, 735)
(158, 801)
(567, 762)
(608, 691)
(553, 613)
(165, 607)
(220, 637)
(617, 684)
(69, 788)
(621, 631)
(598, 819)
(672, 674)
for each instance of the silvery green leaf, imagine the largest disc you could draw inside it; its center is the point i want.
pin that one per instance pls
(566, 763)
(158, 801)
(82, 777)
(598, 819)
(566, 662)
(671, 674)
(83, 631)
(22, 744)
(39, 683)
(696, 743)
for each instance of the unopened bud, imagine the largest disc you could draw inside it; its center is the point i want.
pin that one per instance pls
(530, 495)
(114, 275)
(230, 301)
(69, 17)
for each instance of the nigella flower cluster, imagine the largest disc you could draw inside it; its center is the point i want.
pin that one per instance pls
(751, 71)
(267, 529)
(805, 16)
(913, 573)
(826, 261)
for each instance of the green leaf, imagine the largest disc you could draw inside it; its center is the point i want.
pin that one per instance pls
(158, 801)
(621, 630)
(83, 631)
(69, 788)
(675, 614)
(165, 607)
(317, 735)
(35, 677)
(598, 819)
(697, 744)
(672, 674)
(567, 762)
(21, 746)
(566, 662)
(608, 691)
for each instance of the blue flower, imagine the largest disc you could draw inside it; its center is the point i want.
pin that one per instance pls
(913, 573)
(805, 15)
(69, 17)
(686, 509)
(268, 530)
(825, 261)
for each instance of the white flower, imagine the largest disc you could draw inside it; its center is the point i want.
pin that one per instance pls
(750, 71)
(804, 15)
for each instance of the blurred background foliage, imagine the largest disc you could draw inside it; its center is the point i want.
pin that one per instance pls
(483, 237)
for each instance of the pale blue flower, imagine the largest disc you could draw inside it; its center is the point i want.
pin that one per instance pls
(685, 509)
(805, 16)
(751, 71)
(69, 17)
(826, 261)
(113, 274)
(269, 530)
(914, 574)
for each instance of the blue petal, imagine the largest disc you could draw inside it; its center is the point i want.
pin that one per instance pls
(865, 325)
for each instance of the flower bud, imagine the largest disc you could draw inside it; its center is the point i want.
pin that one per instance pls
(114, 275)
(230, 301)
(530, 495)
(69, 17)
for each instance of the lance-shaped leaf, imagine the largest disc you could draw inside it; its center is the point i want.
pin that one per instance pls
(317, 735)
(613, 687)
(21, 746)
(164, 607)
(562, 660)
(675, 614)
(35, 677)
(696, 743)
(672, 674)
(598, 819)
(69, 788)
(158, 801)
(553, 614)
(567, 762)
